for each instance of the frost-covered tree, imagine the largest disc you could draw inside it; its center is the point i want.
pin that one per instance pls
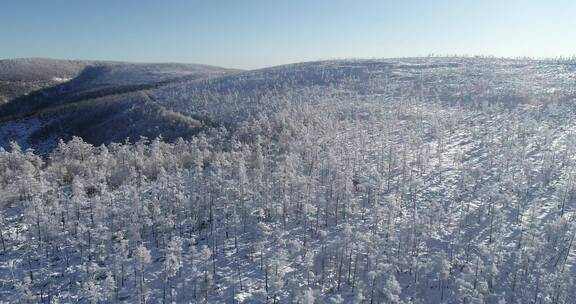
(383, 181)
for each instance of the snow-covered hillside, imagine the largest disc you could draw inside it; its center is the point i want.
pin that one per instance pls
(96, 79)
(96, 103)
(19, 77)
(423, 180)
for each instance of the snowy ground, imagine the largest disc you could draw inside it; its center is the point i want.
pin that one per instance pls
(411, 180)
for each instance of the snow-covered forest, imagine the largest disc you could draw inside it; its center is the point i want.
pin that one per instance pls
(432, 180)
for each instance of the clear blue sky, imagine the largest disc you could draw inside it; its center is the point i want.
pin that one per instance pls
(251, 33)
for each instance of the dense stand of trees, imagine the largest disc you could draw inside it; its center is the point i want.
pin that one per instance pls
(365, 199)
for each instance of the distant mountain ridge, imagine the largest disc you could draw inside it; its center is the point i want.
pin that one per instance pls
(48, 99)
(22, 76)
(30, 69)
(111, 101)
(101, 78)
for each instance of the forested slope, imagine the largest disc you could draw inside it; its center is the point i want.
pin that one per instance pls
(102, 103)
(431, 180)
(22, 76)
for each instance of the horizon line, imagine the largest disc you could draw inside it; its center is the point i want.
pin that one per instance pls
(431, 55)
